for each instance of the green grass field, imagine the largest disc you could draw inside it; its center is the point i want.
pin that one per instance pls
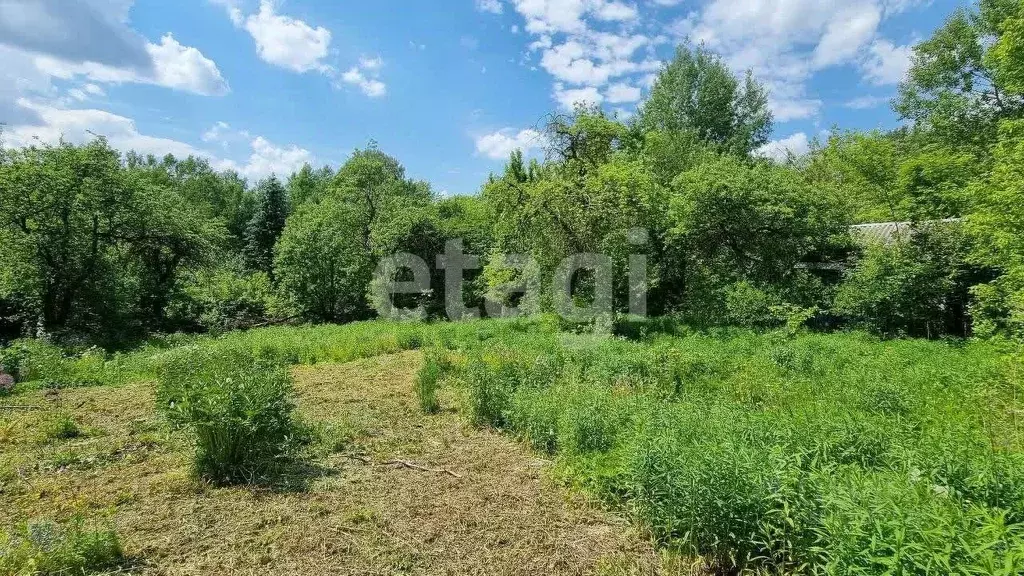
(760, 452)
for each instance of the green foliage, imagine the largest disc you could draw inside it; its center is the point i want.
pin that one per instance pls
(308, 185)
(225, 298)
(45, 548)
(238, 408)
(428, 380)
(735, 222)
(952, 88)
(697, 93)
(998, 226)
(266, 226)
(321, 266)
(915, 287)
(62, 426)
(795, 454)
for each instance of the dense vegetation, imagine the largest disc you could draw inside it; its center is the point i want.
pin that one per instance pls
(101, 248)
(834, 454)
(772, 451)
(729, 426)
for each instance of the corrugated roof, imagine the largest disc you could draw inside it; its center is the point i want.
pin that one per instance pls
(888, 232)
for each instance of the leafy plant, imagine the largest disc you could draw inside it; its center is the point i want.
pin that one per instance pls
(238, 408)
(46, 548)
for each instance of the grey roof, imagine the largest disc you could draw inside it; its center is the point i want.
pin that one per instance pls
(889, 232)
(880, 233)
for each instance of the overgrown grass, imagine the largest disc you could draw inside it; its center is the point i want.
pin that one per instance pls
(819, 454)
(837, 454)
(46, 548)
(37, 364)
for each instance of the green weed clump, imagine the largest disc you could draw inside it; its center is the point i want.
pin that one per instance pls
(435, 364)
(239, 409)
(46, 548)
(816, 454)
(62, 426)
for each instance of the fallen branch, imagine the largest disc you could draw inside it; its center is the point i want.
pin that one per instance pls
(404, 464)
(421, 468)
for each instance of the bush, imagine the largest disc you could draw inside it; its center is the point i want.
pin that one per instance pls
(48, 549)
(238, 408)
(225, 299)
(62, 426)
(435, 364)
(915, 287)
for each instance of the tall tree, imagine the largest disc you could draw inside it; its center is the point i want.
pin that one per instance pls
(952, 88)
(266, 225)
(64, 210)
(308, 184)
(697, 92)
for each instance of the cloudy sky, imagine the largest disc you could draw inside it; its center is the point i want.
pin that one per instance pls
(449, 87)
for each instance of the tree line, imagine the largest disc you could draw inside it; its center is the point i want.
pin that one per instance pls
(105, 248)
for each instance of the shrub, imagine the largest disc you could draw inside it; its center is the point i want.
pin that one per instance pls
(62, 426)
(225, 299)
(490, 392)
(238, 408)
(778, 453)
(916, 287)
(435, 364)
(48, 549)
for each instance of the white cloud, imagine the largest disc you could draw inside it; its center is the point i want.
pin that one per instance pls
(887, 63)
(492, 6)
(174, 66)
(74, 31)
(569, 97)
(365, 76)
(615, 11)
(185, 68)
(288, 42)
(82, 125)
(234, 10)
(785, 42)
(500, 144)
(593, 59)
(268, 158)
(846, 33)
(622, 93)
(779, 150)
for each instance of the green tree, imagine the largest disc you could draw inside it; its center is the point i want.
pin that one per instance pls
(917, 286)
(998, 225)
(735, 222)
(1006, 58)
(954, 86)
(697, 92)
(308, 185)
(65, 210)
(386, 204)
(266, 225)
(863, 170)
(322, 266)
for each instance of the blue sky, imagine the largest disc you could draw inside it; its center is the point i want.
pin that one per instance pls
(262, 86)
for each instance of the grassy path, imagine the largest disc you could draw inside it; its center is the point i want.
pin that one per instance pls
(352, 510)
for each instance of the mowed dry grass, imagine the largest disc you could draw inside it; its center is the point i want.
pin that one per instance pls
(346, 511)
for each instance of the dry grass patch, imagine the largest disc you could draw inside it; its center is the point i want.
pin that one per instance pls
(347, 512)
